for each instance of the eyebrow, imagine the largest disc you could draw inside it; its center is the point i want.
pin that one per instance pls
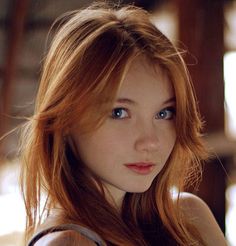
(130, 101)
(170, 100)
(125, 100)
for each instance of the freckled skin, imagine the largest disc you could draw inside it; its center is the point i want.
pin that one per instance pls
(141, 131)
(138, 136)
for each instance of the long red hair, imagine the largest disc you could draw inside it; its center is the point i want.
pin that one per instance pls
(85, 65)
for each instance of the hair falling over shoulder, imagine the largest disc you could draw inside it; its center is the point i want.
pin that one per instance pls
(86, 62)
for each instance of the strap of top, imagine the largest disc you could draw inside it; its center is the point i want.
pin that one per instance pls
(80, 229)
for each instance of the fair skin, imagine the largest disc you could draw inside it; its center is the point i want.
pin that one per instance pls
(140, 132)
(201, 216)
(139, 129)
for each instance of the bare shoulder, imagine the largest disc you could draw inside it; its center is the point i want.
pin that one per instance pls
(198, 213)
(64, 238)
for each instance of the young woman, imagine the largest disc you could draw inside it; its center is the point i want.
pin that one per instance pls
(115, 131)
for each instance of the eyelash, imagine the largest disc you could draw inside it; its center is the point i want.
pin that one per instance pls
(169, 113)
(170, 110)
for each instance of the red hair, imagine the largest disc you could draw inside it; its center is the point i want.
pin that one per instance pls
(86, 62)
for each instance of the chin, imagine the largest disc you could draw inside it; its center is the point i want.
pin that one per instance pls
(139, 189)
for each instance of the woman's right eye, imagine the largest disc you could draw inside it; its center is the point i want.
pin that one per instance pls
(119, 113)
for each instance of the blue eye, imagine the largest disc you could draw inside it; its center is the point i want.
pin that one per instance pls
(119, 113)
(166, 114)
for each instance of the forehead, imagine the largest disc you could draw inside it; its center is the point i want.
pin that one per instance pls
(144, 79)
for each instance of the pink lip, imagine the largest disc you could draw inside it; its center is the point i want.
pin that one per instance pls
(140, 167)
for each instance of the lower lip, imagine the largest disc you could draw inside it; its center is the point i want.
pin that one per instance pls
(140, 169)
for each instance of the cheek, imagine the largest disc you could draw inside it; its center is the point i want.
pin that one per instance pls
(97, 147)
(173, 132)
(169, 139)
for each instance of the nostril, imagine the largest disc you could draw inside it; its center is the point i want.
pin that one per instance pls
(147, 144)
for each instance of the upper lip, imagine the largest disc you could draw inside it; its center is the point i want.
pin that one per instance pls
(141, 164)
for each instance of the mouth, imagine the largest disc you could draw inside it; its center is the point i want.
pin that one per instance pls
(141, 167)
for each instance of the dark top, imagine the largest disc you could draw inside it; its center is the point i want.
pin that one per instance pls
(80, 229)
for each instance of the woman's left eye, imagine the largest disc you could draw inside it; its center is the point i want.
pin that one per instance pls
(166, 114)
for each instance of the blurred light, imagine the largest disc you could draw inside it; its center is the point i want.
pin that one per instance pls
(12, 214)
(230, 92)
(166, 19)
(174, 191)
(231, 215)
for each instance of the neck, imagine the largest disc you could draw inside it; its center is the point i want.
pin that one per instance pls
(114, 196)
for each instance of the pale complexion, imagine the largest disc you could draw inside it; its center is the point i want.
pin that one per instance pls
(139, 129)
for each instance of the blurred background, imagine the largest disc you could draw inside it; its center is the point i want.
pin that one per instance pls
(206, 29)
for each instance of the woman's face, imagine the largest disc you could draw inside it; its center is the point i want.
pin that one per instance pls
(133, 144)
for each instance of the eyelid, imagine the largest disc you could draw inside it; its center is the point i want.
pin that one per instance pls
(172, 107)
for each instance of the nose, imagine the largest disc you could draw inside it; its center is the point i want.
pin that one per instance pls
(147, 140)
